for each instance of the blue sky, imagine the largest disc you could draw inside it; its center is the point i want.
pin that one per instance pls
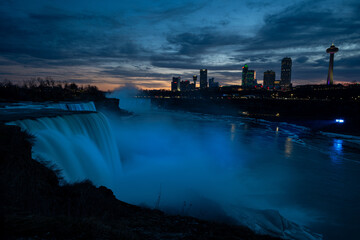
(144, 42)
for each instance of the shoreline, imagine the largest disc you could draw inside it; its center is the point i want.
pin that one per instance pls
(318, 116)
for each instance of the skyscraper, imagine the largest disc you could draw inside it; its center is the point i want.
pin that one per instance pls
(194, 79)
(332, 50)
(175, 84)
(203, 78)
(251, 78)
(212, 83)
(248, 78)
(286, 64)
(244, 72)
(185, 86)
(269, 78)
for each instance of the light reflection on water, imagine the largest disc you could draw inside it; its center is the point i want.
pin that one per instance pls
(336, 153)
(288, 147)
(233, 131)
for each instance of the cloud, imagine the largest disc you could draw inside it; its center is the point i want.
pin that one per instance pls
(63, 35)
(171, 12)
(307, 24)
(302, 59)
(154, 39)
(353, 62)
(198, 43)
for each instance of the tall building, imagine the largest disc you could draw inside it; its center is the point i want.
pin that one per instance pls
(175, 84)
(286, 64)
(269, 78)
(244, 72)
(212, 83)
(185, 86)
(332, 50)
(248, 78)
(203, 78)
(195, 79)
(251, 78)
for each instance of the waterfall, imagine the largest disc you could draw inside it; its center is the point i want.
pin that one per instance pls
(68, 106)
(82, 146)
(78, 107)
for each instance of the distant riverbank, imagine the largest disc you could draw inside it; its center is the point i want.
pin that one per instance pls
(319, 115)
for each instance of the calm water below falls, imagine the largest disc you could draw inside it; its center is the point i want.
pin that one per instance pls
(181, 159)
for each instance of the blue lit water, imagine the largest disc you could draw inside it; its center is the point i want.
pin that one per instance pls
(214, 167)
(311, 178)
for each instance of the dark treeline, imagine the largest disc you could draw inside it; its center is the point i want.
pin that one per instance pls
(47, 89)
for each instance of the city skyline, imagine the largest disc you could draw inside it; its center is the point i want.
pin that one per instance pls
(145, 43)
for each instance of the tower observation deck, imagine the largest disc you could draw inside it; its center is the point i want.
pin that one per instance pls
(331, 50)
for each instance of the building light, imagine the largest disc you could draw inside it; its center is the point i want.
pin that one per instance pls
(339, 120)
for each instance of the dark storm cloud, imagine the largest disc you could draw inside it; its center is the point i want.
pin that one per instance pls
(6, 63)
(60, 35)
(322, 63)
(353, 61)
(259, 59)
(301, 59)
(198, 43)
(55, 16)
(306, 24)
(174, 12)
(6, 73)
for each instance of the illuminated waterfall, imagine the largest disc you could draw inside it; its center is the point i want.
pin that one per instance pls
(67, 106)
(84, 146)
(81, 145)
(78, 107)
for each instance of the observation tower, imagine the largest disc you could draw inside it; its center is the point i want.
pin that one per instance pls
(332, 50)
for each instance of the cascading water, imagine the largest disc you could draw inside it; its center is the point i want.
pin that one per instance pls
(78, 107)
(68, 106)
(81, 145)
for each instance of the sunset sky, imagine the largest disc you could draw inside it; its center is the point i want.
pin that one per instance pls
(113, 43)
